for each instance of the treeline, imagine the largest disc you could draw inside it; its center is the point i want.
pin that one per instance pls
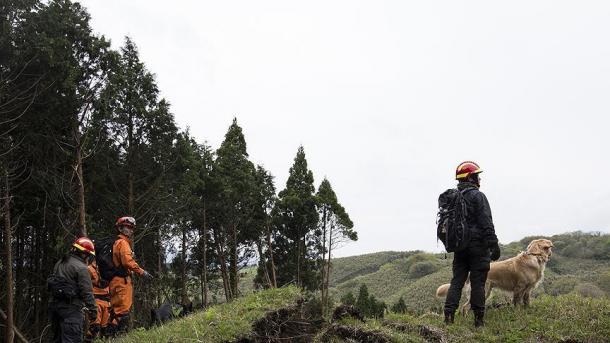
(86, 138)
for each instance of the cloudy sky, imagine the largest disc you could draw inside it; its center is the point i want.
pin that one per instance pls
(387, 97)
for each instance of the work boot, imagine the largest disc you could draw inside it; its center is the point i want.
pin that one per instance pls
(478, 320)
(449, 316)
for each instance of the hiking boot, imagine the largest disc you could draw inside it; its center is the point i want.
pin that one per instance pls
(449, 318)
(478, 320)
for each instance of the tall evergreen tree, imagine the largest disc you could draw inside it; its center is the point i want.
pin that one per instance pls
(336, 228)
(261, 221)
(235, 176)
(298, 240)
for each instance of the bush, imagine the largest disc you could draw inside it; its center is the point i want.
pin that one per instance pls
(562, 285)
(420, 269)
(589, 290)
(603, 282)
(400, 306)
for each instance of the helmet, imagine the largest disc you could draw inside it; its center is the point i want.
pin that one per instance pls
(84, 244)
(126, 221)
(465, 169)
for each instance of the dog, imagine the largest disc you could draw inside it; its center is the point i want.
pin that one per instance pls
(168, 312)
(519, 275)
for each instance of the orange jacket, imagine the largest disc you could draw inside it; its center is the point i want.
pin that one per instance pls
(122, 255)
(95, 280)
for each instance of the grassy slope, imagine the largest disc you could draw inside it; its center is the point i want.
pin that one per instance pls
(387, 276)
(567, 318)
(220, 323)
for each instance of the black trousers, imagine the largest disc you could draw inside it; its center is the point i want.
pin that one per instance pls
(474, 261)
(67, 323)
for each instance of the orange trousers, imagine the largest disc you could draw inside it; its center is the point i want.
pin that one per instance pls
(121, 295)
(103, 312)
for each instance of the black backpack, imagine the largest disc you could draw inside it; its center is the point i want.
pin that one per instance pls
(452, 228)
(103, 257)
(61, 289)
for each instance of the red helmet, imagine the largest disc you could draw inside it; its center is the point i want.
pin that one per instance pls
(465, 169)
(84, 244)
(126, 221)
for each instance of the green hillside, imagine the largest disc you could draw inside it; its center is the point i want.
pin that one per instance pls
(580, 264)
(280, 315)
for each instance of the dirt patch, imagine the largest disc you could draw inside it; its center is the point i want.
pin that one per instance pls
(288, 324)
(429, 333)
(354, 333)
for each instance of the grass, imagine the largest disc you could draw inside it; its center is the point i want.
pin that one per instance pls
(549, 319)
(221, 323)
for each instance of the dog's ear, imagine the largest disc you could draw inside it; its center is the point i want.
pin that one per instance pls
(534, 247)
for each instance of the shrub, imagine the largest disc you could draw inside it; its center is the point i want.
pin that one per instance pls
(400, 306)
(420, 269)
(562, 285)
(589, 290)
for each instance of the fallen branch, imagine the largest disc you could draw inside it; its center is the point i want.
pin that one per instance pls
(17, 333)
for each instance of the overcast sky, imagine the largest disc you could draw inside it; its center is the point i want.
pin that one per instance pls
(388, 97)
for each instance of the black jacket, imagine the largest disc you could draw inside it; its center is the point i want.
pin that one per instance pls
(478, 216)
(75, 269)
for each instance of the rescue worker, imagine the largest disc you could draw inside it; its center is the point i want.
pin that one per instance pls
(101, 292)
(71, 293)
(481, 250)
(121, 285)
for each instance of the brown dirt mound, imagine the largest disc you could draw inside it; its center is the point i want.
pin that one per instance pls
(288, 324)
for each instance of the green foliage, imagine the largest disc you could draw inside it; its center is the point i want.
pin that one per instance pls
(589, 290)
(222, 323)
(563, 285)
(368, 304)
(400, 306)
(421, 269)
(297, 240)
(348, 299)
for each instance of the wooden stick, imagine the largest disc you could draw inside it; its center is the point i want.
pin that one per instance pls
(17, 333)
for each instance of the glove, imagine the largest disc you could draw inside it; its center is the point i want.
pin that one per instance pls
(147, 276)
(495, 252)
(92, 315)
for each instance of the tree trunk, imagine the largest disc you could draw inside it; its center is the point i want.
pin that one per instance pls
(234, 274)
(223, 264)
(322, 294)
(183, 268)
(81, 191)
(330, 247)
(262, 262)
(269, 246)
(298, 251)
(9, 334)
(204, 270)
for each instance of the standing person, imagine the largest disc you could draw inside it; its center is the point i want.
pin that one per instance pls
(479, 251)
(101, 292)
(71, 293)
(121, 285)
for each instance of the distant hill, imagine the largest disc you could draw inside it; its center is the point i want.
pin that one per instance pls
(580, 264)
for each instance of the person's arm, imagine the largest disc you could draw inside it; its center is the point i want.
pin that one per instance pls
(485, 221)
(127, 260)
(86, 290)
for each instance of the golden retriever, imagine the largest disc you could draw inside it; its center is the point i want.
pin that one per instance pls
(520, 274)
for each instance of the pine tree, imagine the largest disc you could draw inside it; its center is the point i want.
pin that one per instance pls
(399, 306)
(336, 228)
(235, 176)
(298, 242)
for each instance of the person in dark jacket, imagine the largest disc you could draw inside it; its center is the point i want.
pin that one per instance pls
(480, 251)
(72, 293)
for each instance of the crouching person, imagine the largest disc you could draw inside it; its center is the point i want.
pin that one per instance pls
(98, 326)
(121, 286)
(71, 293)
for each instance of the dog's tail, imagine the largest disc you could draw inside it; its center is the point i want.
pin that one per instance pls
(442, 290)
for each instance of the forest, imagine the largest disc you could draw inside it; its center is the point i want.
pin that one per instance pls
(86, 138)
